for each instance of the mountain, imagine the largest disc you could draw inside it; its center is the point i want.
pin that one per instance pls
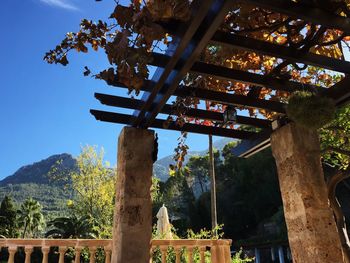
(38, 172)
(33, 181)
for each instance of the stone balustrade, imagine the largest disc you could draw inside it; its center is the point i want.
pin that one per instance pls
(77, 245)
(187, 249)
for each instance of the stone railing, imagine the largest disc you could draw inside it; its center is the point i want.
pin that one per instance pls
(28, 245)
(186, 249)
(189, 249)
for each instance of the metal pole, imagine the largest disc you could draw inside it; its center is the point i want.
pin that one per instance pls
(214, 220)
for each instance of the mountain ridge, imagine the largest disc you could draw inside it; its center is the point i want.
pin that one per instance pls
(38, 172)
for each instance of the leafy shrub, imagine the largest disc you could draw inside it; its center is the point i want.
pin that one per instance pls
(237, 258)
(202, 234)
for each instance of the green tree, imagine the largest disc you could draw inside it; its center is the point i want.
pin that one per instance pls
(30, 218)
(93, 185)
(178, 197)
(197, 171)
(8, 218)
(247, 192)
(71, 227)
(335, 139)
(335, 146)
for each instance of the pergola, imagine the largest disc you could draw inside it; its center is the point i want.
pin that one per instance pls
(290, 143)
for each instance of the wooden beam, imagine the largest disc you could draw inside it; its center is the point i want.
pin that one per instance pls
(135, 104)
(160, 124)
(231, 99)
(255, 144)
(279, 51)
(177, 69)
(221, 72)
(273, 50)
(224, 98)
(249, 78)
(180, 48)
(340, 92)
(305, 12)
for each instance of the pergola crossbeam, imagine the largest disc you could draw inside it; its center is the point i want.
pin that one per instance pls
(231, 99)
(135, 104)
(223, 98)
(183, 56)
(162, 124)
(279, 51)
(274, 50)
(340, 92)
(304, 12)
(220, 72)
(209, 15)
(256, 143)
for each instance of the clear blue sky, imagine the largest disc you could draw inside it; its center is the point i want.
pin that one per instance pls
(45, 108)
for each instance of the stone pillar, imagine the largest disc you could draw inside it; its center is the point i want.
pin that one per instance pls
(312, 232)
(132, 230)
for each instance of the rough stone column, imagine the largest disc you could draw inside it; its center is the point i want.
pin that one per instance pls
(312, 231)
(132, 228)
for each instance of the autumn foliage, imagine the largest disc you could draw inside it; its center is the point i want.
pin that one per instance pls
(139, 29)
(135, 31)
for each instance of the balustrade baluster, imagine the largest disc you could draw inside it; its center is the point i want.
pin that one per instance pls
(273, 256)
(12, 252)
(193, 249)
(164, 251)
(108, 253)
(227, 253)
(257, 255)
(92, 251)
(77, 251)
(190, 254)
(151, 254)
(45, 251)
(62, 252)
(214, 254)
(28, 251)
(202, 254)
(178, 254)
(281, 254)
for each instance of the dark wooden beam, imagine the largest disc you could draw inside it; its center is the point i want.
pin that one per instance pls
(279, 51)
(180, 48)
(340, 92)
(224, 98)
(221, 72)
(231, 99)
(177, 69)
(248, 77)
(305, 12)
(160, 124)
(135, 104)
(253, 145)
(273, 50)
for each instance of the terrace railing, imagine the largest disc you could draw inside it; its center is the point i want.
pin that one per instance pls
(189, 249)
(176, 251)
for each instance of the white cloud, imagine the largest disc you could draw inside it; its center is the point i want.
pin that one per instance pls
(60, 3)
